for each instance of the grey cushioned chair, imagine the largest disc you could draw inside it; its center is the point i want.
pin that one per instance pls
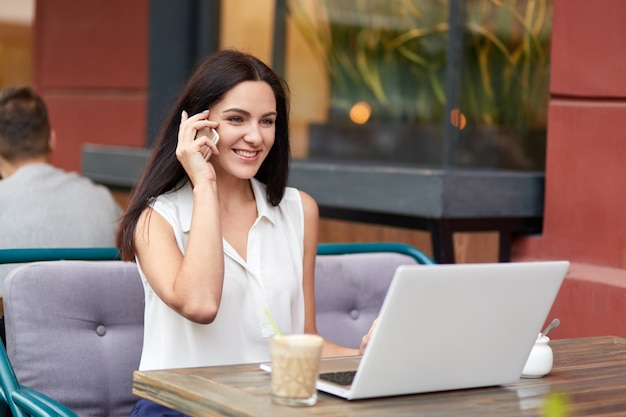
(74, 332)
(74, 329)
(351, 281)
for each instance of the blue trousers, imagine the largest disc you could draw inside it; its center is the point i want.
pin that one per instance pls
(147, 408)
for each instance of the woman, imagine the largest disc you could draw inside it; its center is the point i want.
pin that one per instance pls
(220, 243)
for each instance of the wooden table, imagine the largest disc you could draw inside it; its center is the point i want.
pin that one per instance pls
(590, 371)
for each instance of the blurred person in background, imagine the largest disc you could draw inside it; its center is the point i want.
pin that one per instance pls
(42, 206)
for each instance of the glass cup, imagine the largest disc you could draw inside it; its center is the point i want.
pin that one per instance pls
(295, 368)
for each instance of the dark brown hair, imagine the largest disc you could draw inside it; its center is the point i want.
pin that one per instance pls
(214, 77)
(24, 124)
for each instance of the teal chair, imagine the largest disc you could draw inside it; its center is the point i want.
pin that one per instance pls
(374, 247)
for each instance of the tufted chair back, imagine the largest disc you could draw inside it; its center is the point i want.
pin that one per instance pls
(350, 290)
(74, 332)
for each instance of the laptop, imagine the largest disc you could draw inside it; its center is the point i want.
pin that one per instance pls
(447, 327)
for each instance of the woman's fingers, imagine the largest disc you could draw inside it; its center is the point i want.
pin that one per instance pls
(208, 138)
(193, 145)
(365, 340)
(190, 125)
(191, 128)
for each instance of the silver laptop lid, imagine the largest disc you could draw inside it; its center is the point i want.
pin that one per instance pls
(446, 327)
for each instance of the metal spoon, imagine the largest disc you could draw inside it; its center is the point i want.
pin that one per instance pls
(554, 323)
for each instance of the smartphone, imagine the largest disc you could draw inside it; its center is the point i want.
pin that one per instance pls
(214, 137)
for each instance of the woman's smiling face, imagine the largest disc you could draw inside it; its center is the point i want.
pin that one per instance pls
(247, 128)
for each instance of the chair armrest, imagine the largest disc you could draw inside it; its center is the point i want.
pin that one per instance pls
(36, 404)
(23, 255)
(369, 247)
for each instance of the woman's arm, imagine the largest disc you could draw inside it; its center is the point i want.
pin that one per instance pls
(190, 284)
(311, 225)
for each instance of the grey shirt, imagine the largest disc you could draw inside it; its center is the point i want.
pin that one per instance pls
(43, 206)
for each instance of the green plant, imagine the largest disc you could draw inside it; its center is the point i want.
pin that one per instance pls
(392, 54)
(507, 65)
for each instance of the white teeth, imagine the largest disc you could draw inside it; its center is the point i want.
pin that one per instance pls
(247, 154)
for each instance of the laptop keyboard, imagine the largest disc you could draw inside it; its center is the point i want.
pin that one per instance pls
(340, 378)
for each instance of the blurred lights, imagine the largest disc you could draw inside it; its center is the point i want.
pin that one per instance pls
(458, 119)
(360, 113)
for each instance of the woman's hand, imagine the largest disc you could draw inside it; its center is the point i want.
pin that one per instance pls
(365, 340)
(192, 145)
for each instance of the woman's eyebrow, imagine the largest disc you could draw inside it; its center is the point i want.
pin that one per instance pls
(236, 110)
(247, 113)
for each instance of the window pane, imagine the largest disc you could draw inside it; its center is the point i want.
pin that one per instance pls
(383, 92)
(505, 85)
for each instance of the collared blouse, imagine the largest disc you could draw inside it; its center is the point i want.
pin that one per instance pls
(270, 277)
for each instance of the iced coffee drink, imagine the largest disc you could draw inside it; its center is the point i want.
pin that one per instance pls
(295, 367)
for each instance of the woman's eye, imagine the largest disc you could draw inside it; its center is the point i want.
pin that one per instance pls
(235, 119)
(268, 122)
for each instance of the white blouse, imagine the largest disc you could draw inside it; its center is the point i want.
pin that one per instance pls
(270, 278)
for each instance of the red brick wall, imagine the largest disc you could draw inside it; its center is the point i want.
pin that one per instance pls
(91, 67)
(584, 218)
(591, 302)
(586, 167)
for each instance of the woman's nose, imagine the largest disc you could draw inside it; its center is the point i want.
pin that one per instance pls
(253, 135)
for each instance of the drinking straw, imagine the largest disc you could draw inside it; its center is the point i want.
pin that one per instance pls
(272, 322)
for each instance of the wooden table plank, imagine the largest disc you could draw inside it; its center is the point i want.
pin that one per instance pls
(590, 371)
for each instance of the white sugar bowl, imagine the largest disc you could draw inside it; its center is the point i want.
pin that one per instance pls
(539, 362)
